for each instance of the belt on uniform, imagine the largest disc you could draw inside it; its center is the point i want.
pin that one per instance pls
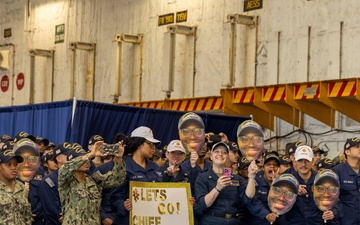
(226, 216)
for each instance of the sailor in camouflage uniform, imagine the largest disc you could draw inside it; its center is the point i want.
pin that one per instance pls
(14, 205)
(80, 195)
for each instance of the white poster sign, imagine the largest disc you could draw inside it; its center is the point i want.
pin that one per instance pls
(160, 203)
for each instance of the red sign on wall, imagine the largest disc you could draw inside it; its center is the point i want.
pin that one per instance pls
(4, 83)
(20, 81)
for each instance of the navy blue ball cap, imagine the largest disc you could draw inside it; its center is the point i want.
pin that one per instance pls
(287, 179)
(26, 145)
(72, 154)
(62, 148)
(7, 155)
(327, 175)
(95, 138)
(23, 135)
(351, 142)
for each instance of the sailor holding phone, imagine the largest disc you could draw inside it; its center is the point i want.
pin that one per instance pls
(218, 192)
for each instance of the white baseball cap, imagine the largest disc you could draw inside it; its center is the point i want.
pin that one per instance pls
(304, 152)
(146, 133)
(175, 145)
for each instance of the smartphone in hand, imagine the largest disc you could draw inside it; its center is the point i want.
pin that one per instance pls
(227, 172)
(110, 149)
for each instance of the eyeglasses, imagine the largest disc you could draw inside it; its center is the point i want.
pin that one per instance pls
(256, 140)
(288, 195)
(32, 160)
(197, 132)
(331, 190)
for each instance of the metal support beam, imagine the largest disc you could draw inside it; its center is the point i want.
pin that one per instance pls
(120, 39)
(173, 30)
(262, 117)
(234, 20)
(50, 54)
(90, 81)
(241, 19)
(306, 98)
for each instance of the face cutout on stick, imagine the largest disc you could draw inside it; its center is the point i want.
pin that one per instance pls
(250, 140)
(326, 189)
(283, 193)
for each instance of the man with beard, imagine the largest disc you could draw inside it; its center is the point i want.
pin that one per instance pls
(28, 173)
(192, 136)
(305, 211)
(250, 140)
(290, 150)
(263, 215)
(326, 189)
(349, 177)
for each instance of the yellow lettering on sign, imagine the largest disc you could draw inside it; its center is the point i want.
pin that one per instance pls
(169, 207)
(166, 19)
(146, 220)
(181, 16)
(253, 4)
(149, 195)
(169, 19)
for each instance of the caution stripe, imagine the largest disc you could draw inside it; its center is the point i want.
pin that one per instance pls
(243, 96)
(153, 105)
(307, 91)
(274, 94)
(197, 104)
(342, 88)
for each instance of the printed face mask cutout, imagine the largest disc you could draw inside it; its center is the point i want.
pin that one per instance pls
(326, 195)
(281, 199)
(326, 189)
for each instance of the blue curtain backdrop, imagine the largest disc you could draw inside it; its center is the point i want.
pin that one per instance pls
(107, 119)
(53, 121)
(49, 120)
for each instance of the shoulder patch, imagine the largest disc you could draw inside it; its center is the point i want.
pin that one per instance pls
(49, 182)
